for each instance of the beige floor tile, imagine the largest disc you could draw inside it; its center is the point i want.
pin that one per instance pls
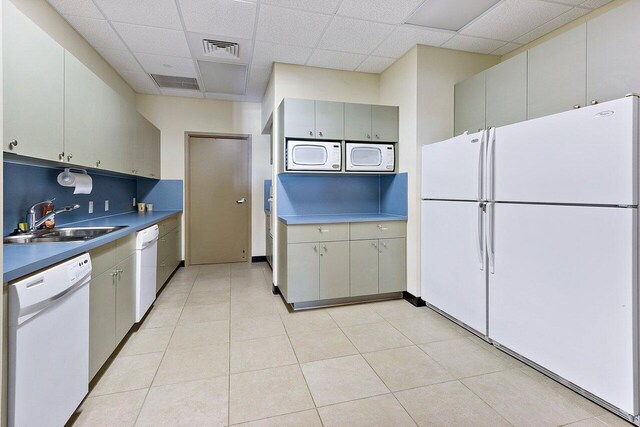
(211, 285)
(613, 420)
(267, 393)
(463, 358)
(261, 353)
(341, 379)
(303, 322)
(590, 422)
(249, 328)
(199, 334)
(190, 364)
(204, 313)
(526, 401)
(118, 410)
(198, 403)
(160, 317)
(147, 341)
(208, 297)
(177, 286)
(396, 309)
(378, 411)
(406, 367)
(307, 418)
(351, 315)
(448, 404)
(128, 373)
(496, 352)
(375, 336)
(321, 345)
(424, 329)
(242, 308)
(171, 299)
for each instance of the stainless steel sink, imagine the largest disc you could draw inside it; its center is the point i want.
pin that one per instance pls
(63, 234)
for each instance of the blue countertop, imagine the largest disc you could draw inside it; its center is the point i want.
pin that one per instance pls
(22, 259)
(330, 219)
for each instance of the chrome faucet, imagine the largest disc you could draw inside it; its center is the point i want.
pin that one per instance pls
(33, 224)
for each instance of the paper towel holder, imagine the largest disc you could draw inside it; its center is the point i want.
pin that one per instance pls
(66, 179)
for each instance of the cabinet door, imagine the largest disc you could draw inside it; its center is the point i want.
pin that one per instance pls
(299, 118)
(125, 296)
(558, 73)
(613, 43)
(149, 147)
(393, 265)
(81, 114)
(108, 146)
(334, 270)
(469, 105)
(507, 92)
(33, 88)
(155, 152)
(139, 145)
(384, 123)
(303, 272)
(128, 134)
(363, 270)
(329, 120)
(102, 320)
(357, 122)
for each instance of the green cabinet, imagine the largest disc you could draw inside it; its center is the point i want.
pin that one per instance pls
(378, 266)
(364, 267)
(303, 272)
(334, 270)
(33, 88)
(125, 296)
(392, 265)
(329, 120)
(357, 122)
(506, 92)
(469, 105)
(309, 119)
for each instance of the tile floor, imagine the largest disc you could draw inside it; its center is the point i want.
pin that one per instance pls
(219, 349)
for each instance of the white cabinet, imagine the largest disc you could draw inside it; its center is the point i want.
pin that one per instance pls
(33, 88)
(309, 119)
(506, 92)
(469, 105)
(373, 123)
(558, 73)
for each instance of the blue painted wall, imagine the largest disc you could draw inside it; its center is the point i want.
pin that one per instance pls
(166, 194)
(310, 194)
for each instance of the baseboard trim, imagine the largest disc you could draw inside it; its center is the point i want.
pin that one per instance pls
(182, 264)
(260, 258)
(275, 290)
(417, 301)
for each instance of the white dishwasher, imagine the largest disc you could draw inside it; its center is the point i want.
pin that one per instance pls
(146, 264)
(49, 344)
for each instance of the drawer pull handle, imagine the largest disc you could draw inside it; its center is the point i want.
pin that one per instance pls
(315, 248)
(374, 245)
(322, 230)
(382, 228)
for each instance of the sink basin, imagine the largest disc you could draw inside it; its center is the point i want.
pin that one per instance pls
(63, 234)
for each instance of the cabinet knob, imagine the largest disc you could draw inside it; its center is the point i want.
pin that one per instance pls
(310, 133)
(315, 249)
(61, 156)
(325, 248)
(575, 107)
(69, 157)
(374, 245)
(368, 136)
(320, 133)
(377, 136)
(13, 143)
(98, 163)
(594, 101)
(384, 245)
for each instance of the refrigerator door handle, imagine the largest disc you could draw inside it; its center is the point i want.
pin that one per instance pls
(481, 235)
(490, 166)
(490, 238)
(481, 165)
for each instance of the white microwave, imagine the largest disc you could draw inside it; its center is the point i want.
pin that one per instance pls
(314, 156)
(370, 157)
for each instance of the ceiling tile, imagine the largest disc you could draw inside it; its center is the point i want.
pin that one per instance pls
(289, 26)
(197, 49)
(375, 64)
(225, 17)
(227, 97)
(405, 37)
(569, 2)
(158, 41)
(140, 82)
(513, 18)
(97, 32)
(506, 49)
(155, 13)
(84, 8)
(324, 6)
(392, 12)
(473, 44)
(558, 22)
(594, 4)
(167, 65)
(353, 35)
(223, 78)
(182, 92)
(336, 60)
(258, 80)
(449, 14)
(121, 60)
(265, 54)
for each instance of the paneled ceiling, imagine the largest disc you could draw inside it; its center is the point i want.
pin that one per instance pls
(165, 37)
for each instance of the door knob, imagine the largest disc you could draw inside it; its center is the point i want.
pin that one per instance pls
(241, 201)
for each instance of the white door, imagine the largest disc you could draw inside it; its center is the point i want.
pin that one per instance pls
(452, 169)
(562, 293)
(585, 156)
(453, 260)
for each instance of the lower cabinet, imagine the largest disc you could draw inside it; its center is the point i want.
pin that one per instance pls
(169, 250)
(303, 272)
(392, 265)
(125, 279)
(334, 270)
(102, 320)
(378, 266)
(364, 267)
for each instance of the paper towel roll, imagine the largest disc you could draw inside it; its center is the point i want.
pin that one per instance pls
(84, 183)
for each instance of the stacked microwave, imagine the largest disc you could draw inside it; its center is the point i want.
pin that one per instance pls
(327, 156)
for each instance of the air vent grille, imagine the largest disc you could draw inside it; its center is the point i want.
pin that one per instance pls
(221, 49)
(175, 82)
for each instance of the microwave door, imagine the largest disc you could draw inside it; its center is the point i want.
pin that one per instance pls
(365, 158)
(309, 155)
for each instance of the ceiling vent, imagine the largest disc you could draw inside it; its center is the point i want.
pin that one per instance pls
(221, 49)
(175, 82)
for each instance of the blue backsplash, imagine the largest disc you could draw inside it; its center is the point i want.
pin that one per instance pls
(166, 194)
(310, 194)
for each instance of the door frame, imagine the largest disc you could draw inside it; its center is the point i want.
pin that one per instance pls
(187, 188)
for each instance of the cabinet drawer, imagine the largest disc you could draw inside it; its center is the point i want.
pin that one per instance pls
(125, 247)
(103, 258)
(167, 225)
(317, 233)
(378, 230)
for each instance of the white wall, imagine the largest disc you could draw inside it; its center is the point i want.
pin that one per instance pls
(175, 115)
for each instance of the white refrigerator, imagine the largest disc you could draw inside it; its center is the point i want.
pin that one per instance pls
(556, 232)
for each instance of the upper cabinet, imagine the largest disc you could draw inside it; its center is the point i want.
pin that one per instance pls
(33, 88)
(506, 92)
(469, 115)
(309, 119)
(357, 118)
(384, 123)
(613, 44)
(371, 123)
(558, 73)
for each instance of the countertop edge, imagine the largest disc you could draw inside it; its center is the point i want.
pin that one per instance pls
(330, 219)
(81, 247)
